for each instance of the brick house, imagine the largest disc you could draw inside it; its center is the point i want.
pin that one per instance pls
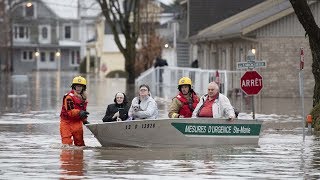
(272, 28)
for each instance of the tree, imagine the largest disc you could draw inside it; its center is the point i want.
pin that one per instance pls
(123, 17)
(304, 14)
(126, 17)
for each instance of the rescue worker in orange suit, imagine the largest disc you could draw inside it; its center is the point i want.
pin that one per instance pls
(184, 103)
(73, 113)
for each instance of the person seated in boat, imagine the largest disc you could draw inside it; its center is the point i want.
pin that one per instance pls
(143, 106)
(214, 104)
(117, 111)
(185, 102)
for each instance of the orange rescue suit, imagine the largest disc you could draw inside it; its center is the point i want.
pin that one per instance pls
(70, 121)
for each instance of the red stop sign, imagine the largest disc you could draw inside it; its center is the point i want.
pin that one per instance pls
(251, 82)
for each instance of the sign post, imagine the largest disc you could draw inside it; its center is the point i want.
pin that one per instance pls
(251, 84)
(251, 81)
(301, 82)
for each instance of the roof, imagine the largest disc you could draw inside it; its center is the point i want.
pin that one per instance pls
(204, 13)
(68, 9)
(246, 21)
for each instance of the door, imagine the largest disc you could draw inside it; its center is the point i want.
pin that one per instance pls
(47, 60)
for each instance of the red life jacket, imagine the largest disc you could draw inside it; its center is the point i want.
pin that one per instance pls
(78, 104)
(186, 110)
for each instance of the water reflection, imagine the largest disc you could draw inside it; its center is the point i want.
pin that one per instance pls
(72, 163)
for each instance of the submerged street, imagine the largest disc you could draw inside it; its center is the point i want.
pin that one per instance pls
(31, 147)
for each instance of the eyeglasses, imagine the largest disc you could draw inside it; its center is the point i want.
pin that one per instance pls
(143, 89)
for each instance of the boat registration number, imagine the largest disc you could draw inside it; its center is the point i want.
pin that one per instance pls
(142, 126)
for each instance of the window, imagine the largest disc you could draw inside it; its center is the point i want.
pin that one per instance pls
(43, 57)
(21, 33)
(44, 33)
(52, 56)
(29, 11)
(27, 55)
(67, 32)
(75, 58)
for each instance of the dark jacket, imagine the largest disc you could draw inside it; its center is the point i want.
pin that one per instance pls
(160, 62)
(113, 108)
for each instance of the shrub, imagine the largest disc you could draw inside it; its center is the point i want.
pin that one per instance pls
(315, 113)
(117, 74)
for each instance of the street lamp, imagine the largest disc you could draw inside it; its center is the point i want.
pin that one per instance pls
(251, 55)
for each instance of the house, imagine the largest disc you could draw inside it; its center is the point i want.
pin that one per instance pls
(106, 50)
(272, 28)
(50, 34)
(189, 17)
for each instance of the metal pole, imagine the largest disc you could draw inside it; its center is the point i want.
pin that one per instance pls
(302, 102)
(253, 110)
(301, 82)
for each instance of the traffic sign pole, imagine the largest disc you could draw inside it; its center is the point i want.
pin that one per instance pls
(301, 82)
(251, 81)
(251, 84)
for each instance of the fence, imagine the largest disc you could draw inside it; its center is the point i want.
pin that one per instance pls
(163, 81)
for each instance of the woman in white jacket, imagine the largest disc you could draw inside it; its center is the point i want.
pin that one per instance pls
(143, 106)
(214, 104)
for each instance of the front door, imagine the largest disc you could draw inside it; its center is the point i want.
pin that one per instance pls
(47, 60)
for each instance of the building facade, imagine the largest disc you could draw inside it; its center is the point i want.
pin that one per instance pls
(270, 27)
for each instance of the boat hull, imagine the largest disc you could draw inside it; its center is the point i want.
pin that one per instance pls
(186, 132)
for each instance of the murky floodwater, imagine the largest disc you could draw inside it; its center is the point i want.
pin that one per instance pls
(30, 141)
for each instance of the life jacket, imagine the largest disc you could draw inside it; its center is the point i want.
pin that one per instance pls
(77, 105)
(187, 107)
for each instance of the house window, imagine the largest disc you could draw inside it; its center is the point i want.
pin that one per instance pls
(29, 11)
(21, 33)
(67, 32)
(75, 58)
(44, 33)
(27, 56)
(43, 57)
(52, 56)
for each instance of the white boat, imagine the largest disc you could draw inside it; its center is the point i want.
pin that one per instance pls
(187, 132)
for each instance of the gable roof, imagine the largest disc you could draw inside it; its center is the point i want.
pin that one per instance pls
(204, 13)
(68, 9)
(246, 21)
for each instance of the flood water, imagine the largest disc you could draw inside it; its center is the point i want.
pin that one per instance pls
(30, 141)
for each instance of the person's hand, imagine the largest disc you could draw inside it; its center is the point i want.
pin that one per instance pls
(181, 116)
(118, 119)
(83, 114)
(116, 115)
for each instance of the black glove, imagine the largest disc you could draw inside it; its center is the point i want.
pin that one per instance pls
(85, 122)
(83, 114)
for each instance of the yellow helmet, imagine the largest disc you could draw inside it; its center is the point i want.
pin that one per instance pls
(185, 81)
(79, 80)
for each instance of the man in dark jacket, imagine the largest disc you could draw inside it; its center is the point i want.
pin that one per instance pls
(160, 63)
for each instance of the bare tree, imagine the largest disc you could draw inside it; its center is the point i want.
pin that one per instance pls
(123, 17)
(132, 19)
(150, 44)
(306, 18)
